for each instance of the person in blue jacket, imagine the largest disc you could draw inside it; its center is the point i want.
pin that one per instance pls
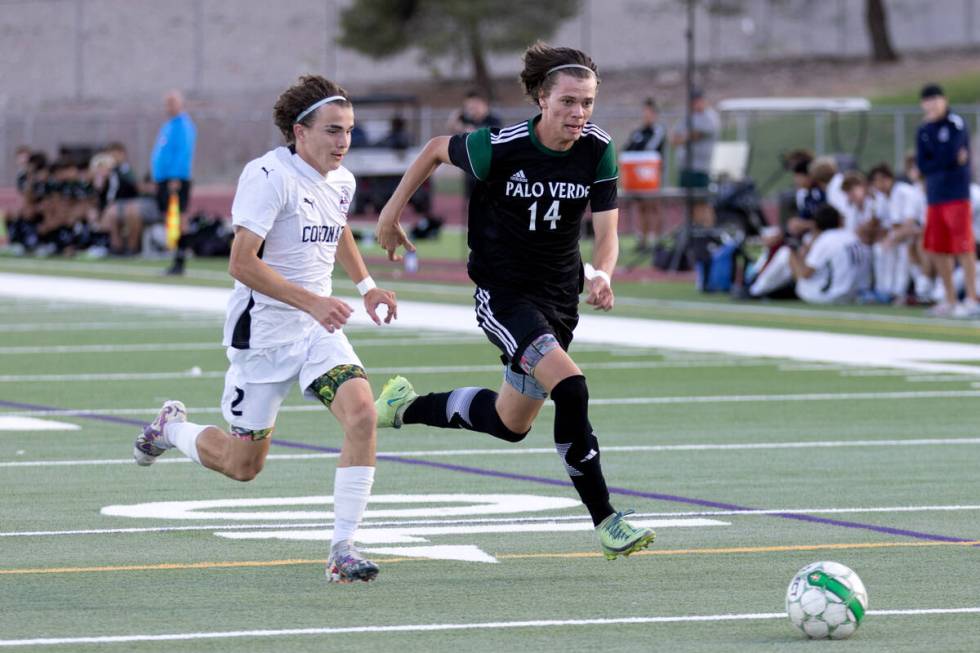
(171, 166)
(943, 158)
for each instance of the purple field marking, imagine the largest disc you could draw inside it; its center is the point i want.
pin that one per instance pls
(95, 416)
(465, 469)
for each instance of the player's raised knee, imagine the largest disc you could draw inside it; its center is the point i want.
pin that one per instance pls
(571, 389)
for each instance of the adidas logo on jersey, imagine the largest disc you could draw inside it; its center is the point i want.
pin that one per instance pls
(519, 177)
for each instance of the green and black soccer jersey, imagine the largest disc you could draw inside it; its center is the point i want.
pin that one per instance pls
(526, 216)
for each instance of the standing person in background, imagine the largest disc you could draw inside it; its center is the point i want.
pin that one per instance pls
(474, 114)
(651, 136)
(943, 158)
(170, 166)
(705, 127)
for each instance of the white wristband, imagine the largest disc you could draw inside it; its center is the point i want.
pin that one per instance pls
(365, 285)
(591, 273)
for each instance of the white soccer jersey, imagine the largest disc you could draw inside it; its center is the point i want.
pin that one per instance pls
(842, 267)
(301, 215)
(904, 203)
(855, 215)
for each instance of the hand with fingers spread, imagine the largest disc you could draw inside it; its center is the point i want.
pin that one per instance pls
(375, 298)
(331, 313)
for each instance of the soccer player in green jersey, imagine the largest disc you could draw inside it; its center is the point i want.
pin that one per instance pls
(535, 180)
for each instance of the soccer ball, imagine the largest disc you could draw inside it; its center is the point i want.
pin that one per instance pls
(826, 599)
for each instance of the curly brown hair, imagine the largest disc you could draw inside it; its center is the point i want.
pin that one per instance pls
(296, 99)
(541, 57)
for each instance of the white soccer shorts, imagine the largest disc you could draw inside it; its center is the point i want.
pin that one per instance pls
(258, 380)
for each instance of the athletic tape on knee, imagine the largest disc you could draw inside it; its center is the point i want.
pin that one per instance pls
(326, 385)
(537, 350)
(250, 434)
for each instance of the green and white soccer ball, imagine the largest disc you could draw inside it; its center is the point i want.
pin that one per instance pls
(826, 599)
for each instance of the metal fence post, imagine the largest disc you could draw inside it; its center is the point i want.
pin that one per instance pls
(820, 133)
(899, 123)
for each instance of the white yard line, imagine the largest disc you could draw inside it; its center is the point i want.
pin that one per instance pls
(484, 625)
(422, 369)
(939, 378)
(524, 451)
(519, 520)
(802, 345)
(619, 401)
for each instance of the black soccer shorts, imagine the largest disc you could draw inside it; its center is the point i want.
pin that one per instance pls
(512, 321)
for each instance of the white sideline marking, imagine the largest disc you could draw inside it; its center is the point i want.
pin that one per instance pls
(115, 376)
(802, 345)
(215, 345)
(34, 424)
(145, 325)
(939, 378)
(521, 451)
(464, 292)
(517, 520)
(428, 369)
(620, 401)
(486, 625)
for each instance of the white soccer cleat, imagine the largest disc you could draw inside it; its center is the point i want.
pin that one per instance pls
(150, 443)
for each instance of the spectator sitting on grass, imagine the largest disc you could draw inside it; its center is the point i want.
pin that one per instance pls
(835, 266)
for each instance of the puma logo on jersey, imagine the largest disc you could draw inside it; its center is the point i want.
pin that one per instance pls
(307, 200)
(267, 171)
(519, 177)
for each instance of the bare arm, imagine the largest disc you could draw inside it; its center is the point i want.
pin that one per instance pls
(246, 266)
(604, 258)
(389, 232)
(797, 262)
(353, 263)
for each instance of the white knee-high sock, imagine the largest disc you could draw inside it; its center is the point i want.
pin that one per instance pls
(183, 435)
(351, 490)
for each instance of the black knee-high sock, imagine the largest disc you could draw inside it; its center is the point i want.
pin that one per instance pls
(463, 408)
(578, 446)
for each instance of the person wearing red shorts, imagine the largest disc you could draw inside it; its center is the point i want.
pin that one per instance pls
(943, 157)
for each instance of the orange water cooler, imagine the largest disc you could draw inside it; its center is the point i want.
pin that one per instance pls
(640, 171)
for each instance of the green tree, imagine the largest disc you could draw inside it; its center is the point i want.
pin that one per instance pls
(457, 29)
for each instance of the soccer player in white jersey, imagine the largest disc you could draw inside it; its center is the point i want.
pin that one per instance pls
(835, 266)
(902, 214)
(282, 324)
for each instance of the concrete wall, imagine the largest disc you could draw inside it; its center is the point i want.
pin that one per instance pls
(128, 50)
(95, 70)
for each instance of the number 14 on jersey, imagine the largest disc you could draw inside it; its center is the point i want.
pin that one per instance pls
(551, 215)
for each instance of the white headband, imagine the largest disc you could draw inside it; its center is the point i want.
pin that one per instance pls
(316, 105)
(569, 65)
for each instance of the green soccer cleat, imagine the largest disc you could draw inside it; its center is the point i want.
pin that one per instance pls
(395, 397)
(617, 537)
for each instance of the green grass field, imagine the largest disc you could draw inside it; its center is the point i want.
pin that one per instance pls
(744, 492)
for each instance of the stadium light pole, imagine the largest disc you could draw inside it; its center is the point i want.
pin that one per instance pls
(689, 118)
(685, 236)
